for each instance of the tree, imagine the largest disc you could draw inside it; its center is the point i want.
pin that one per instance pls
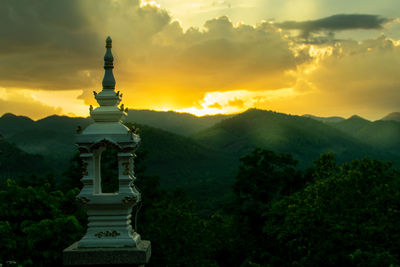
(263, 178)
(34, 226)
(349, 216)
(178, 235)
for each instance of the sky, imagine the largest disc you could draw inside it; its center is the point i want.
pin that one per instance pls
(321, 57)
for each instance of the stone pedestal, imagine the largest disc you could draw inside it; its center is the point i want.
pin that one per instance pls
(138, 256)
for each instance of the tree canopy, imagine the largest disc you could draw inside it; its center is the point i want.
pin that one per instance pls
(328, 215)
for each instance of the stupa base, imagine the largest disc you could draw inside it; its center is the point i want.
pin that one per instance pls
(137, 256)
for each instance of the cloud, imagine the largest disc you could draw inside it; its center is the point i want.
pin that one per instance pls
(20, 102)
(48, 44)
(359, 77)
(236, 103)
(215, 105)
(221, 3)
(58, 45)
(335, 23)
(227, 57)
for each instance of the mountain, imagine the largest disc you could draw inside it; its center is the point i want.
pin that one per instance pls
(206, 173)
(302, 137)
(353, 124)
(394, 116)
(181, 160)
(178, 160)
(205, 163)
(52, 137)
(179, 123)
(10, 123)
(379, 134)
(14, 161)
(63, 123)
(325, 119)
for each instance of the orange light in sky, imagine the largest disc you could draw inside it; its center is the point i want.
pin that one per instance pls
(235, 101)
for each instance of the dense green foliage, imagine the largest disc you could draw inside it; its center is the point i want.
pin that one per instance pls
(345, 215)
(37, 221)
(329, 215)
(14, 161)
(263, 178)
(275, 213)
(349, 215)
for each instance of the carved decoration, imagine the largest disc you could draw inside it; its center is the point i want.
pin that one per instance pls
(107, 234)
(79, 129)
(105, 143)
(127, 169)
(83, 149)
(82, 200)
(128, 200)
(84, 168)
(128, 149)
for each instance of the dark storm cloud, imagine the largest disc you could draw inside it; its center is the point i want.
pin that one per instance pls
(46, 44)
(57, 45)
(335, 23)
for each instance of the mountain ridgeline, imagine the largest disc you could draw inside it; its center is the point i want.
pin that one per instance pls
(180, 123)
(201, 154)
(302, 137)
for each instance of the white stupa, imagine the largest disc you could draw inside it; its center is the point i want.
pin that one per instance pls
(108, 213)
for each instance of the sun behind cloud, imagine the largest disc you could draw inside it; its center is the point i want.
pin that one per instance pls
(54, 61)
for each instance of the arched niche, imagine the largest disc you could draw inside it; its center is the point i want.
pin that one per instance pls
(106, 171)
(109, 170)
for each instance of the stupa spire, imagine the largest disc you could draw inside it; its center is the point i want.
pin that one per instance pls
(108, 99)
(108, 80)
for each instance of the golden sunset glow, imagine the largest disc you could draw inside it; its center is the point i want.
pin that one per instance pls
(231, 102)
(204, 57)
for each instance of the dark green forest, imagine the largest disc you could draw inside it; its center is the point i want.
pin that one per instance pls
(328, 215)
(255, 189)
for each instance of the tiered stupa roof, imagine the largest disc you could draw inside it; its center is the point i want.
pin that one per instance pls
(107, 116)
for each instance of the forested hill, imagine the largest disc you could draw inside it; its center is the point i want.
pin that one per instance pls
(179, 161)
(205, 162)
(11, 124)
(303, 137)
(381, 134)
(394, 116)
(14, 162)
(179, 123)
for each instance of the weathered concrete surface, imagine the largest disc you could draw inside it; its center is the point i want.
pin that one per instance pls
(138, 256)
